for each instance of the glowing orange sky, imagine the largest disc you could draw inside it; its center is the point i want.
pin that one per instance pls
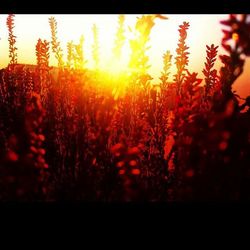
(204, 29)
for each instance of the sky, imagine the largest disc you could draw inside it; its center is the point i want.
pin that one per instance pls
(204, 30)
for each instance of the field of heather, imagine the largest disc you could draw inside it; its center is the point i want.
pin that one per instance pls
(76, 133)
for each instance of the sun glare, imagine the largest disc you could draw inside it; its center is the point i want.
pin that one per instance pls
(164, 35)
(114, 36)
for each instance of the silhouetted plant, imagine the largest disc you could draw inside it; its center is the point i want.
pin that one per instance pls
(233, 64)
(181, 60)
(56, 48)
(42, 54)
(167, 57)
(210, 73)
(12, 39)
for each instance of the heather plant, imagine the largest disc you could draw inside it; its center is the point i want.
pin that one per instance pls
(181, 60)
(56, 48)
(208, 146)
(211, 77)
(12, 39)
(75, 133)
(44, 85)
